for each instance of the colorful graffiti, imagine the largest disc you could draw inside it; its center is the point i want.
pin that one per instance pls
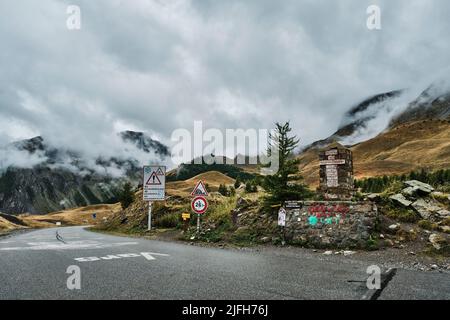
(327, 214)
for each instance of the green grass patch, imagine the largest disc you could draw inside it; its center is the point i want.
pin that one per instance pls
(400, 214)
(427, 225)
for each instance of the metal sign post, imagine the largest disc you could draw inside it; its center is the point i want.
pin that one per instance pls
(150, 215)
(282, 223)
(199, 205)
(154, 185)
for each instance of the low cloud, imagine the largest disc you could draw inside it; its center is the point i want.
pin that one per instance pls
(155, 66)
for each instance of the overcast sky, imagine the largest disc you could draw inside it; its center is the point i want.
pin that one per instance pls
(159, 65)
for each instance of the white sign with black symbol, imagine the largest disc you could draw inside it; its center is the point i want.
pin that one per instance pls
(282, 217)
(154, 183)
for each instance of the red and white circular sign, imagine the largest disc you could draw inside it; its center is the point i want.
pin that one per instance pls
(199, 205)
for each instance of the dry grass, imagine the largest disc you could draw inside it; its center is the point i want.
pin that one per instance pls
(78, 216)
(212, 178)
(6, 225)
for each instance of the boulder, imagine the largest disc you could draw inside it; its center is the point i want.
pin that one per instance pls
(241, 202)
(426, 208)
(373, 196)
(394, 227)
(437, 241)
(399, 198)
(409, 191)
(443, 213)
(420, 186)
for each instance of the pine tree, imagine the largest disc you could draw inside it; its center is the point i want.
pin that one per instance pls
(237, 183)
(223, 190)
(126, 195)
(285, 183)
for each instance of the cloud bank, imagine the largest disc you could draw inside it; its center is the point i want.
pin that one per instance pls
(155, 66)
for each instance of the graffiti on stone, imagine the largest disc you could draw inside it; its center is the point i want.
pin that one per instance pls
(327, 215)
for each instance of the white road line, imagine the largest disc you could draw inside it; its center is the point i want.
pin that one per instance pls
(74, 245)
(6, 242)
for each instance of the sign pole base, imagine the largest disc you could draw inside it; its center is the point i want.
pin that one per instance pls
(150, 215)
(198, 223)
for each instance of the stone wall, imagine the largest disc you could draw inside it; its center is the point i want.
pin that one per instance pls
(330, 224)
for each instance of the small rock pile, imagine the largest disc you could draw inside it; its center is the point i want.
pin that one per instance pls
(416, 195)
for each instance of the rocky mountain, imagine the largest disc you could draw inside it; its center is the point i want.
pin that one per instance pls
(63, 179)
(429, 105)
(411, 135)
(358, 117)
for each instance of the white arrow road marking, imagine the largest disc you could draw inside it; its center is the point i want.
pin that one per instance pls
(150, 255)
(146, 255)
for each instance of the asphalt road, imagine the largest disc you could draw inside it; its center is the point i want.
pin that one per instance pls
(33, 266)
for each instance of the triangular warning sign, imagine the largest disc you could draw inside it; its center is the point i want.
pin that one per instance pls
(199, 190)
(153, 180)
(159, 172)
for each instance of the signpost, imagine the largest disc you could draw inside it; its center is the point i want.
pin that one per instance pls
(154, 185)
(186, 217)
(199, 204)
(199, 190)
(282, 217)
(336, 172)
(282, 222)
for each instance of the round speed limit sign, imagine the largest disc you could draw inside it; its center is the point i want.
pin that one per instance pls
(199, 205)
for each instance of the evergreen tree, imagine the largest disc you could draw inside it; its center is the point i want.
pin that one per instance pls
(126, 195)
(285, 183)
(248, 187)
(237, 183)
(223, 190)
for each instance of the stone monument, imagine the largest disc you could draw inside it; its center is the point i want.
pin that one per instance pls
(336, 172)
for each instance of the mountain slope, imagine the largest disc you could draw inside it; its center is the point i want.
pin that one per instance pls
(391, 133)
(63, 179)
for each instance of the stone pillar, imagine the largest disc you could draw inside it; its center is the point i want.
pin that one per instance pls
(336, 172)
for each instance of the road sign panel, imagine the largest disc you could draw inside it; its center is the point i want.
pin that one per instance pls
(200, 189)
(332, 162)
(154, 183)
(199, 205)
(154, 180)
(185, 216)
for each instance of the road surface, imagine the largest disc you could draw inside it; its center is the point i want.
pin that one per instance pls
(33, 266)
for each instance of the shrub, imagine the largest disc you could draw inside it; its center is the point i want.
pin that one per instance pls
(170, 220)
(223, 190)
(427, 225)
(249, 188)
(400, 214)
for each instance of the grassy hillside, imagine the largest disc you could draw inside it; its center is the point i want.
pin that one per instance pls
(400, 150)
(212, 178)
